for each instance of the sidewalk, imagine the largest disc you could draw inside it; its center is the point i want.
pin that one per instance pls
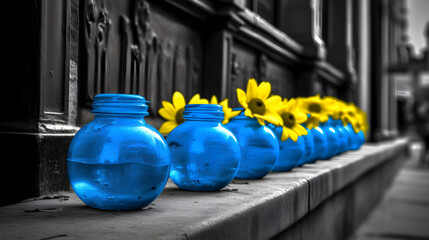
(404, 211)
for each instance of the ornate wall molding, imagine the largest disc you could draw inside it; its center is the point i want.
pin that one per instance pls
(96, 26)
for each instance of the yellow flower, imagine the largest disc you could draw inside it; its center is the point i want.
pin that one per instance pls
(258, 104)
(291, 119)
(318, 108)
(214, 100)
(356, 117)
(173, 113)
(339, 106)
(312, 122)
(228, 113)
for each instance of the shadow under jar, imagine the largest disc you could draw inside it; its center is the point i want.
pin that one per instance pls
(205, 155)
(118, 161)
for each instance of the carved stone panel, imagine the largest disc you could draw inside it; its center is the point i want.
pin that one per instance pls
(96, 25)
(137, 47)
(247, 63)
(281, 79)
(244, 65)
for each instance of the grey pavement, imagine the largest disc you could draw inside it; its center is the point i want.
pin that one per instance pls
(404, 211)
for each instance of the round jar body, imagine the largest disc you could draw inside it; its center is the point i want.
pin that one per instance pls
(342, 136)
(205, 155)
(320, 143)
(353, 138)
(117, 161)
(332, 138)
(309, 147)
(259, 147)
(361, 138)
(290, 152)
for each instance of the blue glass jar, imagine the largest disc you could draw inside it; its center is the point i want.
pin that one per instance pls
(259, 147)
(354, 140)
(309, 147)
(342, 136)
(320, 143)
(290, 152)
(118, 161)
(332, 138)
(205, 155)
(361, 138)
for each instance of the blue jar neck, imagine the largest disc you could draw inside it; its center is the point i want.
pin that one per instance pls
(203, 113)
(120, 105)
(243, 118)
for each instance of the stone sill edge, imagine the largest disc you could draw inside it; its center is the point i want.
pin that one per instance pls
(359, 164)
(260, 215)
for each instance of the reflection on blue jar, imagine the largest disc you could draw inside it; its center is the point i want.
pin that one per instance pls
(290, 152)
(205, 155)
(118, 161)
(332, 138)
(309, 147)
(354, 143)
(259, 147)
(342, 136)
(320, 143)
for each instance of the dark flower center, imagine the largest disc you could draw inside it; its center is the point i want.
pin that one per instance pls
(315, 107)
(179, 116)
(288, 119)
(257, 106)
(347, 120)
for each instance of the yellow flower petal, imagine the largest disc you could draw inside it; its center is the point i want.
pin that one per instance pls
(203, 101)
(273, 102)
(195, 99)
(213, 100)
(224, 103)
(260, 121)
(166, 115)
(293, 135)
(300, 130)
(242, 97)
(285, 134)
(272, 117)
(291, 104)
(234, 114)
(166, 127)
(252, 89)
(169, 107)
(312, 122)
(248, 113)
(323, 118)
(264, 90)
(300, 117)
(178, 100)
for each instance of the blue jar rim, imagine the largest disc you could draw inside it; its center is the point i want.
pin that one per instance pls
(122, 104)
(103, 97)
(203, 112)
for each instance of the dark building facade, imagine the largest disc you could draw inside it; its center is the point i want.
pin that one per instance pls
(63, 53)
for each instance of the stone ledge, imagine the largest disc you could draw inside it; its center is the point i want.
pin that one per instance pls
(251, 209)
